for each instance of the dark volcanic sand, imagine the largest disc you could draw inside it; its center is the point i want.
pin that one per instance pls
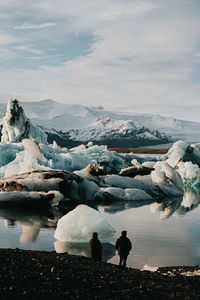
(48, 275)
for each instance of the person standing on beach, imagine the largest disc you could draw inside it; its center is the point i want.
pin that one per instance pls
(95, 247)
(123, 246)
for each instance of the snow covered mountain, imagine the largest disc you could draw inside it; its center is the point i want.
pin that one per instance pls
(70, 125)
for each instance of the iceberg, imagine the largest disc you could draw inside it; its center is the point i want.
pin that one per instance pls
(168, 179)
(126, 194)
(190, 174)
(78, 225)
(26, 156)
(183, 151)
(16, 126)
(124, 182)
(28, 199)
(63, 185)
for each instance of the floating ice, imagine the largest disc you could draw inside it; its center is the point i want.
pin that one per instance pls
(190, 274)
(79, 224)
(190, 174)
(68, 185)
(18, 161)
(131, 183)
(183, 151)
(26, 198)
(149, 268)
(168, 179)
(16, 126)
(127, 194)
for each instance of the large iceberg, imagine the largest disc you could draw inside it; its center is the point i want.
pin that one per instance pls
(59, 186)
(183, 151)
(126, 194)
(168, 179)
(79, 224)
(16, 126)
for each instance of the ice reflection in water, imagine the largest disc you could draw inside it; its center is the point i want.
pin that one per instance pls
(177, 206)
(31, 222)
(83, 249)
(163, 241)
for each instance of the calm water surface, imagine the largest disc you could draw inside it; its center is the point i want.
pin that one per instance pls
(162, 234)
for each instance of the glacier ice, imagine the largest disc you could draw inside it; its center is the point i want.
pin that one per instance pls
(78, 225)
(24, 149)
(127, 194)
(183, 151)
(149, 268)
(63, 185)
(190, 174)
(27, 198)
(16, 126)
(168, 179)
(18, 161)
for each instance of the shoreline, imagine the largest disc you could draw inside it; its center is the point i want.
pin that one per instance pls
(30, 274)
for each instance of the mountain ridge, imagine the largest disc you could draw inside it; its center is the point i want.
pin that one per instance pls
(79, 123)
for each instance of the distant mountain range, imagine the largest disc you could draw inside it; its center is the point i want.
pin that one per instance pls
(71, 125)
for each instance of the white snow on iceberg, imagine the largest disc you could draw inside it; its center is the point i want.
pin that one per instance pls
(168, 179)
(16, 126)
(79, 224)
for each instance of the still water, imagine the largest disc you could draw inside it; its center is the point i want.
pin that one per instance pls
(162, 234)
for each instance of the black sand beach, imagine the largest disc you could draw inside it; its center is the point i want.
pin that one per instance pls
(48, 275)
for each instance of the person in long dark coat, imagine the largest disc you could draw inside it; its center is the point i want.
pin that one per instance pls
(123, 246)
(95, 247)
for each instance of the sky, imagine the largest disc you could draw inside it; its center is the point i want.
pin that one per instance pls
(126, 55)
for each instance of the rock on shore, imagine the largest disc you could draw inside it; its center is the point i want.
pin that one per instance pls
(48, 275)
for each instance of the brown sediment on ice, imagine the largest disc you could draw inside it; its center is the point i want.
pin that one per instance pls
(48, 275)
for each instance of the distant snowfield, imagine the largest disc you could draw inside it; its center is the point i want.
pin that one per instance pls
(83, 123)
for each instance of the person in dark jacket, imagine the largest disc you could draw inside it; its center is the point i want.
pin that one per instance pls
(95, 247)
(123, 246)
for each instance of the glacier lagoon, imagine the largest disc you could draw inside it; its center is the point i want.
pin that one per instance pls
(163, 234)
(163, 231)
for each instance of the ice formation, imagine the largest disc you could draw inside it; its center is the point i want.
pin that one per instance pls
(60, 185)
(79, 224)
(190, 274)
(190, 174)
(56, 158)
(183, 151)
(24, 150)
(168, 179)
(25, 199)
(127, 194)
(16, 126)
(149, 268)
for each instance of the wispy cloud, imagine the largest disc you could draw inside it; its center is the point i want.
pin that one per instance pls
(35, 26)
(6, 39)
(143, 54)
(29, 49)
